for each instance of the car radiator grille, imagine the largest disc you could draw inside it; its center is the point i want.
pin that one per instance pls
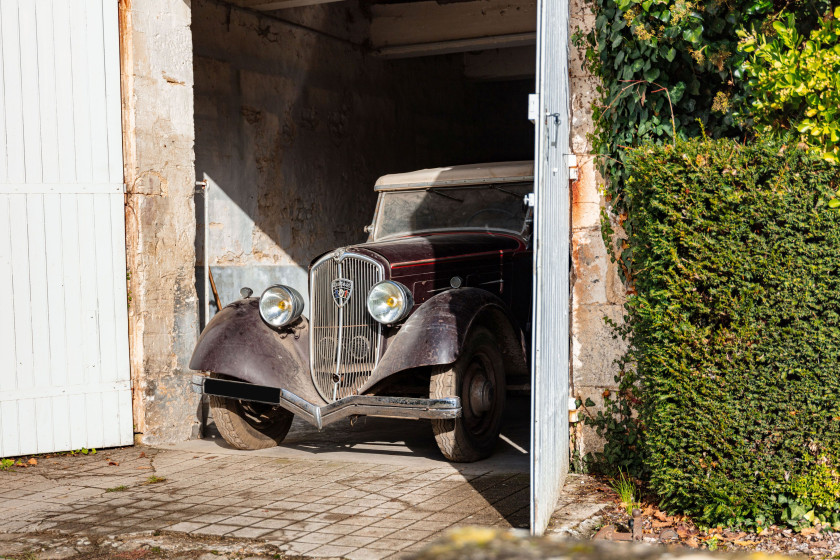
(344, 340)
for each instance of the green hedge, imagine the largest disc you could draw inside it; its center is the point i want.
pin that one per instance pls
(736, 329)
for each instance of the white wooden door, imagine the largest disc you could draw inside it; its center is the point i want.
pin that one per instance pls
(64, 373)
(550, 363)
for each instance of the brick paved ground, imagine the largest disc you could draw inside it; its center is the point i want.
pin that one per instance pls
(376, 490)
(310, 507)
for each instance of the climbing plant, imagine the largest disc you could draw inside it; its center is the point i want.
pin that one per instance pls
(793, 82)
(674, 68)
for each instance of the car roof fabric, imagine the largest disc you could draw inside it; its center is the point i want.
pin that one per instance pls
(459, 175)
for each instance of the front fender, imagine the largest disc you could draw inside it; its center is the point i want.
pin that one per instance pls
(435, 333)
(238, 343)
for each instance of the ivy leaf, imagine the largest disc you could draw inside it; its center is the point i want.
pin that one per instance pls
(677, 92)
(671, 54)
(693, 35)
(618, 60)
(834, 203)
(651, 74)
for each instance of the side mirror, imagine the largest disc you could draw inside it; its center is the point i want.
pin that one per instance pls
(528, 200)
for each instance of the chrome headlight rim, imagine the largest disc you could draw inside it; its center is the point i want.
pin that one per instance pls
(405, 298)
(287, 294)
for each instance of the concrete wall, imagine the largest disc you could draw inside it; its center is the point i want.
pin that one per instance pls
(157, 86)
(295, 121)
(597, 290)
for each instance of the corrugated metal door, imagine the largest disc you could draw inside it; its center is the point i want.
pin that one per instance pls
(64, 374)
(550, 370)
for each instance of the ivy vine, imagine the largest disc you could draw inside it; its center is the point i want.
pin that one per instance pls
(673, 68)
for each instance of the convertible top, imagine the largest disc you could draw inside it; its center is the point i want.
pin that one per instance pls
(459, 175)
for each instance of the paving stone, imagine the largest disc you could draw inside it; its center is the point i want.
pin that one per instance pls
(349, 510)
(355, 541)
(314, 507)
(317, 538)
(393, 545)
(208, 518)
(359, 521)
(273, 523)
(249, 532)
(377, 532)
(185, 527)
(241, 520)
(307, 526)
(284, 535)
(330, 551)
(338, 529)
(216, 529)
(397, 523)
(367, 554)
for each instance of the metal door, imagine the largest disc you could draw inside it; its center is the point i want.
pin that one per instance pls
(550, 342)
(64, 370)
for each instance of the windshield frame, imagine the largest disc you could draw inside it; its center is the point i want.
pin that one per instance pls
(375, 234)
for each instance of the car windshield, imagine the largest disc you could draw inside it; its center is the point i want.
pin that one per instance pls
(481, 208)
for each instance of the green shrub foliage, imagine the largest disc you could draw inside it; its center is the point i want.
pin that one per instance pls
(736, 328)
(675, 66)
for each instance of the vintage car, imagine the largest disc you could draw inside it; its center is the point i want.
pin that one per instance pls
(428, 320)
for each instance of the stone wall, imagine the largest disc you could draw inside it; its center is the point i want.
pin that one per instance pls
(597, 290)
(157, 86)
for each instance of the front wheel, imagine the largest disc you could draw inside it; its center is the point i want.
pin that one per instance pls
(249, 425)
(478, 378)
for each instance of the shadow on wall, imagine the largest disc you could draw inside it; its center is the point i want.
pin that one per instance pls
(293, 126)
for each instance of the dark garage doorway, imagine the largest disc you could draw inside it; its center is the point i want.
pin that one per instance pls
(298, 111)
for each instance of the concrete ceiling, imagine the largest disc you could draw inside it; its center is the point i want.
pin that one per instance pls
(409, 28)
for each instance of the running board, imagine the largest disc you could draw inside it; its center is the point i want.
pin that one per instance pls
(320, 416)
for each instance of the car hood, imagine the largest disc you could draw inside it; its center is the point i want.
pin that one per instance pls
(439, 247)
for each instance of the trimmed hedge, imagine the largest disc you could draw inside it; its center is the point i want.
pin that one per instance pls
(736, 328)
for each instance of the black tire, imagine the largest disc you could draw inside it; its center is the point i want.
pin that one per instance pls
(249, 425)
(478, 378)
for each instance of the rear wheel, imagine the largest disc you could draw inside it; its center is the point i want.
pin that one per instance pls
(478, 378)
(249, 425)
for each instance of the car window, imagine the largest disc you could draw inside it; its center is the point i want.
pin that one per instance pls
(482, 208)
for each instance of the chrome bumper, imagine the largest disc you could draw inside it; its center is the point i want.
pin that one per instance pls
(320, 416)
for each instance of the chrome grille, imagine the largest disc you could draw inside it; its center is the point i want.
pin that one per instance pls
(344, 340)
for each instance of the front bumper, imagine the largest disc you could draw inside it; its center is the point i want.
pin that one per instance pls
(320, 416)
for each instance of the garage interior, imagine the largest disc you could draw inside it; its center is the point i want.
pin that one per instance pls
(299, 110)
(300, 105)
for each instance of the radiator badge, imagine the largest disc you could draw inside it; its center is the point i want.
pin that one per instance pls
(342, 288)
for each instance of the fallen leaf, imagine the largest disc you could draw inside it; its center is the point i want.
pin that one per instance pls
(144, 467)
(692, 542)
(807, 531)
(142, 455)
(33, 461)
(113, 464)
(745, 543)
(661, 524)
(660, 516)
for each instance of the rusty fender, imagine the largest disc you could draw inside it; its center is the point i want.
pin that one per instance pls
(435, 333)
(239, 344)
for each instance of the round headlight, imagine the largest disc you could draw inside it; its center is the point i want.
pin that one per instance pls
(280, 305)
(389, 302)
